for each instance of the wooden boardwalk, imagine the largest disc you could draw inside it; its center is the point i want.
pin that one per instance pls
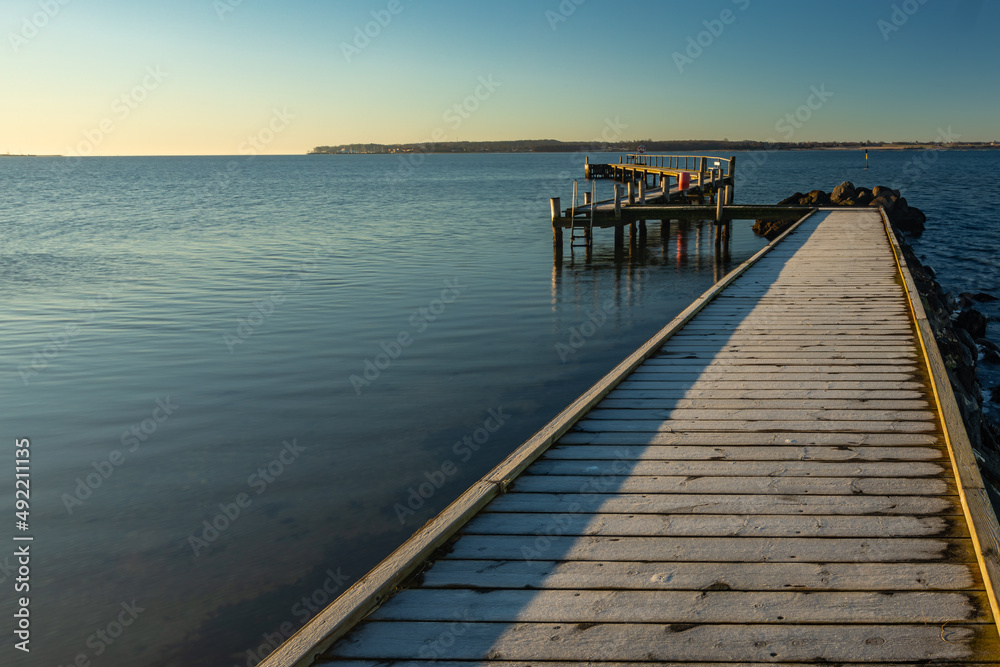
(781, 481)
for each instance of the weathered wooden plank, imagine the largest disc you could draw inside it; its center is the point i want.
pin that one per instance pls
(765, 329)
(679, 425)
(690, 525)
(625, 399)
(775, 384)
(821, 293)
(904, 486)
(785, 338)
(758, 414)
(625, 575)
(590, 663)
(654, 503)
(765, 379)
(764, 308)
(751, 369)
(550, 465)
(804, 395)
(464, 640)
(802, 320)
(720, 310)
(548, 606)
(649, 381)
(723, 355)
(802, 442)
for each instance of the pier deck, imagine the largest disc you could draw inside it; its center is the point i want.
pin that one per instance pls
(777, 477)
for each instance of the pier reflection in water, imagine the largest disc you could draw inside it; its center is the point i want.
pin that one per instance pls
(684, 245)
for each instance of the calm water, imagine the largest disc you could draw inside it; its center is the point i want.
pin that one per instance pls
(267, 346)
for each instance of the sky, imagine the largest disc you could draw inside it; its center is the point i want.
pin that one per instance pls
(230, 77)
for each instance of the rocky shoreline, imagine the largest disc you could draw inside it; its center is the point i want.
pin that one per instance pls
(960, 332)
(901, 214)
(959, 328)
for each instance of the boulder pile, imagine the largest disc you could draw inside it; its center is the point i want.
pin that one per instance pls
(901, 215)
(960, 332)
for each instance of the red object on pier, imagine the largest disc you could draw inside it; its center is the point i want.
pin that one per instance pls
(683, 181)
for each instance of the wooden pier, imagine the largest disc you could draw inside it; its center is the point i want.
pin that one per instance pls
(656, 187)
(779, 476)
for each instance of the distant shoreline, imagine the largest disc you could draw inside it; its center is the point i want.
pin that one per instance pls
(650, 147)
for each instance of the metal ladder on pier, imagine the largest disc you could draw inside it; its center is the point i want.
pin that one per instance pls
(585, 227)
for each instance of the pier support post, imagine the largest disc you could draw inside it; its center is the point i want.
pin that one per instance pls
(642, 190)
(732, 178)
(720, 195)
(557, 241)
(631, 192)
(618, 202)
(586, 168)
(554, 207)
(642, 233)
(619, 237)
(586, 198)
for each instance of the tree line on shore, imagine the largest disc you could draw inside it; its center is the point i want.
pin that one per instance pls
(649, 145)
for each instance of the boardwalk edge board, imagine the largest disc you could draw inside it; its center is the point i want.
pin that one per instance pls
(369, 592)
(976, 504)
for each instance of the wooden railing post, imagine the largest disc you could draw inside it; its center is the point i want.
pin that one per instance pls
(732, 177)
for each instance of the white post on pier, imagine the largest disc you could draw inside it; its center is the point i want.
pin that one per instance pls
(642, 190)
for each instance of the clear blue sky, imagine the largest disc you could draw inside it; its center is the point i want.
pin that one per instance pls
(202, 76)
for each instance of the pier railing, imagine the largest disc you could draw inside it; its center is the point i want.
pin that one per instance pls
(685, 162)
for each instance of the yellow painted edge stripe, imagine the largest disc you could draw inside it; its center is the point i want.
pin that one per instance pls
(946, 428)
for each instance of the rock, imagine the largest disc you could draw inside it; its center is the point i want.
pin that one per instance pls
(817, 198)
(794, 200)
(879, 190)
(863, 197)
(989, 350)
(966, 299)
(985, 343)
(973, 321)
(983, 297)
(883, 200)
(908, 219)
(843, 192)
(771, 229)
